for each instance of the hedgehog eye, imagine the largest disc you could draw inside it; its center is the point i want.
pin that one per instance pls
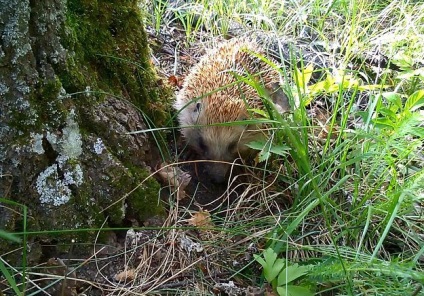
(202, 145)
(232, 147)
(198, 107)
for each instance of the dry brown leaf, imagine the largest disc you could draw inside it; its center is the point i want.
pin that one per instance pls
(176, 178)
(200, 219)
(181, 194)
(269, 291)
(125, 276)
(175, 81)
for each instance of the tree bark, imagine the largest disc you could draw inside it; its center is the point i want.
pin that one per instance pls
(74, 75)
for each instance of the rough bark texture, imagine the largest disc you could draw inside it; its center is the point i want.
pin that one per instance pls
(73, 76)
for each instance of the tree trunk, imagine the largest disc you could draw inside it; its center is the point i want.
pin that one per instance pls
(74, 75)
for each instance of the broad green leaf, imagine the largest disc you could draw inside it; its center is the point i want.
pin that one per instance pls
(386, 112)
(307, 73)
(307, 101)
(271, 265)
(350, 83)
(298, 78)
(275, 270)
(265, 152)
(291, 273)
(317, 87)
(383, 122)
(328, 82)
(393, 98)
(266, 148)
(280, 149)
(415, 101)
(270, 256)
(402, 60)
(256, 145)
(291, 290)
(260, 260)
(363, 114)
(411, 73)
(333, 88)
(302, 76)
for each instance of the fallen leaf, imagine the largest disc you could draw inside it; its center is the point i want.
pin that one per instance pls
(176, 81)
(181, 194)
(269, 291)
(200, 219)
(175, 177)
(125, 276)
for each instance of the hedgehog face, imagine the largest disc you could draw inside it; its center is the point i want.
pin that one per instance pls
(217, 142)
(223, 144)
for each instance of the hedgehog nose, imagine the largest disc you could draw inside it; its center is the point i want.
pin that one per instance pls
(218, 179)
(218, 172)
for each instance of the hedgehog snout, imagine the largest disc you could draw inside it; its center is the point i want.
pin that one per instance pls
(218, 171)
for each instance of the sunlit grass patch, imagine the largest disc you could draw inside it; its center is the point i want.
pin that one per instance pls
(352, 164)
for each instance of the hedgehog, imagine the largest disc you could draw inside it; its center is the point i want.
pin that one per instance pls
(217, 91)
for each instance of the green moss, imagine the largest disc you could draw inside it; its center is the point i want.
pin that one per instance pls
(145, 202)
(46, 107)
(49, 95)
(110, 55)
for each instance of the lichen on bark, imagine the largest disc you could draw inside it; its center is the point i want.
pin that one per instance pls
(74, 76)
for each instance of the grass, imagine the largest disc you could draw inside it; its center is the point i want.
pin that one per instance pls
(356, 174)
(347, 203)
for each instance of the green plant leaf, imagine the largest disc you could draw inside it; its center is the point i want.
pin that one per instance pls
(415, 101)
(291, 290)
(387, 113)
(303, 76)
(291, 273)
(372, 87)
(383, 122)
(9, 278)
(393, 98)
(408, 74)
(9, 236)
(271, 265)
(282, 150)
(256, 145)
(318, 87)
(307, 73)
(260, 112)
(263, 147)
(403, 61)
(265, 152)
(266, 148)
(329, 83)
(260, 260)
